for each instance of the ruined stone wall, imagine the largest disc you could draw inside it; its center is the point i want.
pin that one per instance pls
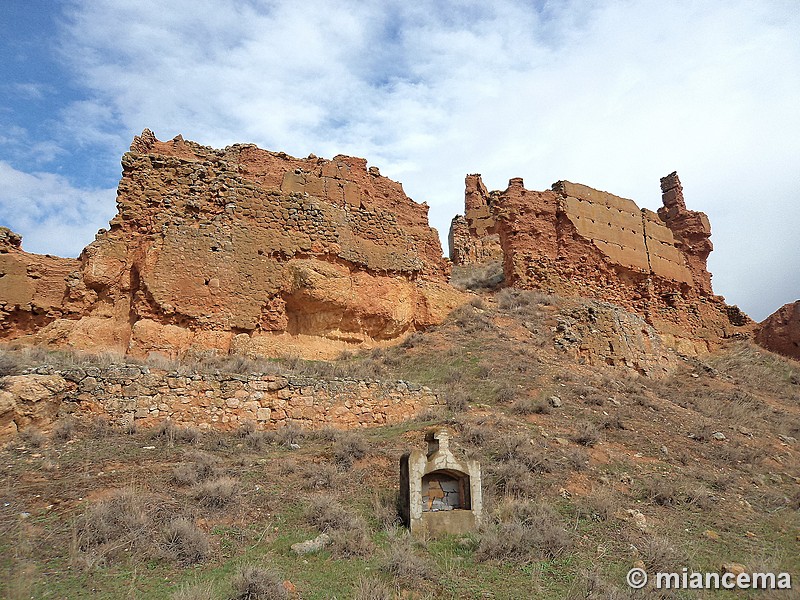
(472, 238)
(33, 288)
(780, 332)
(575, 240)
(129, 393)
(253, 251)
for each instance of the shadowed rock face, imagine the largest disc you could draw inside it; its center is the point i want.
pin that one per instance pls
(780, 332)
(240, 249)
(575, 240)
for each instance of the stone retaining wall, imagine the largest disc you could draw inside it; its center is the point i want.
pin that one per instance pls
(132, 393)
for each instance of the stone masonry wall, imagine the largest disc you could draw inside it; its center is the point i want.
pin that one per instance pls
(131, 393)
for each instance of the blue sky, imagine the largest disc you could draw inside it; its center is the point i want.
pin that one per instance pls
(613, 94)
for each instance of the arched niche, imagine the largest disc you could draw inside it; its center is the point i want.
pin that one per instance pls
(445, 490)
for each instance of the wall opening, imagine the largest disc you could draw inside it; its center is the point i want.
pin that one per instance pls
(445, 490)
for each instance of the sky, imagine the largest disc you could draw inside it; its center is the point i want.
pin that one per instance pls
(613, 94)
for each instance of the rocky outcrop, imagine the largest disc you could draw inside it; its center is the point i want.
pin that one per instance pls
(780, 332)
(577, 241)
(472, 238)
(33, 288)
(242, 250)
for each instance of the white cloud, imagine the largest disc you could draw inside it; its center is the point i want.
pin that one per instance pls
(611, 94)
(53, 216)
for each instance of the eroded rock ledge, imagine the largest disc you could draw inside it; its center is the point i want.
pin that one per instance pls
(239, 249)
(577, 241)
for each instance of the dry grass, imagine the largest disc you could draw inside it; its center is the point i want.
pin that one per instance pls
(402, 563)
(252, 582)
(522, 532)
(216, 493)
(486, 276)
(184, 543)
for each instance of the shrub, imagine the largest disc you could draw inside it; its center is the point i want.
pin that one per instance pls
(120, 523)
(252, 582)
(10, 364)
(348, 448)
(216, 493)
(476, 277)
(33, 437)
(326, 514)
(527, 531)
(64, 430)
(370, 588)
(587, 434)
(199, 467)
(658, 554)
(402, 562)
(530, 406)
(184, 543)
(352, 542)
(196, 591)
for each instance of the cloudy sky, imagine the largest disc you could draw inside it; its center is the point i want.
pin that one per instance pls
(613, 94)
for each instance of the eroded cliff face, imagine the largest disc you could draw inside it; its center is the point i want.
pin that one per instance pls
(578, 241)
(242, 249)
(780, 332)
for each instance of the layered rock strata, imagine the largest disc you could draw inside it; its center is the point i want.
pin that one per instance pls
(575, 240)
(780, 332)
(241, 250)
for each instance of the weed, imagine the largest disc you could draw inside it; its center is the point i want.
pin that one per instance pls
(530, 406)
(195, 591)
(33, 437)
(327, 514)
(403, 563)
(184, 543)
(526, 531)
(64, 430)
(348, 448)
(476, 277)
(659, 555)
(251, 582)
(216, 493)
(587, 434)
(370, 588)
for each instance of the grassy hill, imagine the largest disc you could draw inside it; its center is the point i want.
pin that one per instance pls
(587, 470)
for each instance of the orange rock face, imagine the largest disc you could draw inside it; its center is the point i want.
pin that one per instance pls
(239, 249)
(575, 240)
(780, 332)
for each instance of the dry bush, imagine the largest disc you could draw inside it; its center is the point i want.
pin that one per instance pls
(11, 364)
(352, 543)
(456, 399)
(116, 526)
(523, 532)
(599, 505)
(327, 514)
(184, 543)
(251, 582)
(400, 561)
(470, 320)
(216, 493)
(371, 588)
(320, 477)
(524, 302)
(100, 426)
(286, 435)
(659, 555)
(32, 437)
(385, 508)
(348, 448)
(576, 459)
(530, 406)
(197, 467)
(587, 434)
(188, 434)
(64, 430)
(195, 591)
(476, 277)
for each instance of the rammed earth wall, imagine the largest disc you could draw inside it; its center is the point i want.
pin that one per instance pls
(128, 393)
